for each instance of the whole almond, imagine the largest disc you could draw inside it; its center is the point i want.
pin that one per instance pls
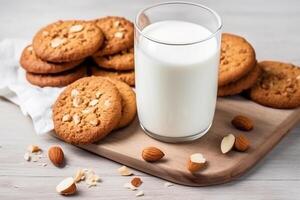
(56, 155)
(242, 123)
(196, 162)
(152, 154)
(136, 182)
(241, 143)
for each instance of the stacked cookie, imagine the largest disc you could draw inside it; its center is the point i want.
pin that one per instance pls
(270, 83)
(90, 108)
(116, 56)
(58, 50)
(238, 68)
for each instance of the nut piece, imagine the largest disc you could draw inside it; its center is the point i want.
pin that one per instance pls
(56, 155)
(227, 143)
(74, 93)
(119, 35)
(241, 143)
(136, 182)
(76, 102)
(33, 148)
(94, 122)
(27, 157)
(76, 119)
(66, 118)
(242, 123)
(124, 171)
(168, 184)
(56, 42)
(152, 154)
(139, 193)
(66, 186)
(75, 28)
(93, 102)
(79, 176)
(196, 162)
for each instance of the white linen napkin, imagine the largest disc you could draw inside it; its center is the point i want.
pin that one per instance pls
(33, 101)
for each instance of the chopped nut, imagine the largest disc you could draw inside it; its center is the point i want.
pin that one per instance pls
(74, 93)
(78, 176)
(34, 159)
(119, 35)
(124, 171)
(94, 122)
(86, 111)
(116, 24)
(76, 119)
(91, 178)
(27, 156)
(76, 102)
(139, 193)
(66, 118)
(136, 182)
(75, 28)
(33, 148)
(45, 33)
(93, 102)
(56, 42)
(168, 184)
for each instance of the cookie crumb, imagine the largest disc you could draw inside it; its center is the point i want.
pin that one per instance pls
(168, 184)
(124, 171)
(27, 157)
(139, 193)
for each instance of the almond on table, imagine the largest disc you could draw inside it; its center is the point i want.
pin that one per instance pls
(56, 155)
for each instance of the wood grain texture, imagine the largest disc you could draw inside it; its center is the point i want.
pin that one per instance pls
(271, 26)
(126, 145)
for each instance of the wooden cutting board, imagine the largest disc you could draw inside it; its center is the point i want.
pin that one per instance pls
(271, 125)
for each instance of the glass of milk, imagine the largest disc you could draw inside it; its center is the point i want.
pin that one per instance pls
(177, 48)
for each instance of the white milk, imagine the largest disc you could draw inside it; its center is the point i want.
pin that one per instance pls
(176, 86)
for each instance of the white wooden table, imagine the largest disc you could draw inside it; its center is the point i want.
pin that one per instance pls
(271, 26)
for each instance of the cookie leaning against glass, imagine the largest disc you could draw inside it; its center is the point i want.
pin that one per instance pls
(237, 58)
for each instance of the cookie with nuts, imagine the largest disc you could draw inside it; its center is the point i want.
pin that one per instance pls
(120, 61)
(237, 58)
(31, 63)
(66, 41)
(56, 80)
(278, 86)
(125, 76)
(87, 110)
(242, 84)
(128, 102)
(118, 33)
